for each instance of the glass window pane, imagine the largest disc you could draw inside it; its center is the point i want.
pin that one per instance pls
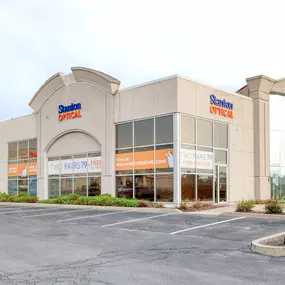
(94, 186)
(220, 135)
(33, 186)
(80, 165)
(124, 135)
(12, 151)
(188, 130)
(23, 150)
(164, 129)
(188, 158)
(53, 166)
(144, 160)
(223, 184)
(164, 158)
(204, 160)
(144, 132)
(144, 187)
(53, 187)
(188, 187)
(164, 188)
(80, 186)
(204, 132)
(205, 187)
(66, 185)
(23, 186)
(33, 148)
(124, 187)
(220, 156)
(124, 161)
(94, 164)
(66, 168)
(12, 169)
(12, 187)
(23, 169)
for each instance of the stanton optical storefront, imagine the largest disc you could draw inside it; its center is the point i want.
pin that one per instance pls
(164, 141)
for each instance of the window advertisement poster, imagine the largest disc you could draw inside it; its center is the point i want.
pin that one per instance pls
(23, 169)
(164, 158)
(203, 159)
(76, 165)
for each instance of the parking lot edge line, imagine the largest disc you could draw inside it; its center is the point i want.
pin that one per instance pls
(34, 210)
(93, 216)
(56, 213)
(130, 221)
(207, 225)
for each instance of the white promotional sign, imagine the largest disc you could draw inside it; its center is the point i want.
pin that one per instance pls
(204, 159)
(76, 166)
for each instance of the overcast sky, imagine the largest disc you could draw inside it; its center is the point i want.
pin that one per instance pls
(218, 42)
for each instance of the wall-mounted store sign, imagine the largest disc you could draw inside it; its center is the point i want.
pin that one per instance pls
(76, 166)
(189, 159)
(164, 158)
(22, 169)
(71, 111)
(221, 107)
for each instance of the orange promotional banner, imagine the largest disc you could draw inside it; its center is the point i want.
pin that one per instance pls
(22, 169)
(164, 158)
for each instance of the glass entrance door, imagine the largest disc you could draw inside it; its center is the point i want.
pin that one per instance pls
(220, 183)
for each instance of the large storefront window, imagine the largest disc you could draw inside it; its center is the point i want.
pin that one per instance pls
(80, 174)
(203, 153)
(277, 147)
(144, 169)
(22, 167)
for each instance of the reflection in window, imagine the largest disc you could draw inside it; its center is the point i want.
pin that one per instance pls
(66, 185)
(205, 187)
(164, 188)
(33, 148)
(188, 130)
(204, 132)
(23, 186)
(164, 130)
(53, 187)
(80, 186)
(220, 156)
(12, 187)
(144, 187)
(125, 187)
(124, 135)
(164, 158)
(220, 135)
(144, 134)
(12, 151)
(23, 150)
(33, 185)
(188, 187)
(94, 186)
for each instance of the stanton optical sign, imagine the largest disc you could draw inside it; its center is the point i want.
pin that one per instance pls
(221, 107)
(71, 111)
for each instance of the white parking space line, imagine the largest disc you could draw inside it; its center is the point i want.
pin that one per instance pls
(13, 212)
(207, 225)
(93, 216)
(57, 213)
(135, 220)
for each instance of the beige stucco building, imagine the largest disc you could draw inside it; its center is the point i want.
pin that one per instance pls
(165, 140)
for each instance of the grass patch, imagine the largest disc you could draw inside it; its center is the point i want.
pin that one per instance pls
(21, 198)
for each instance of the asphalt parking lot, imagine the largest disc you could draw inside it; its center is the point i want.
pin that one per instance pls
(60, 245)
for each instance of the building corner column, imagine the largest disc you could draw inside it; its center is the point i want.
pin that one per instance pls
(259, 89)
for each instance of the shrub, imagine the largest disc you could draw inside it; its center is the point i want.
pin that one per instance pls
(245, 206)
(195, 205)
(274, 207)
(21, 198)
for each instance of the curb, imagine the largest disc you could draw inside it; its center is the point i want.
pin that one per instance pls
(257, 216)
(260, 246)
(63, 206)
